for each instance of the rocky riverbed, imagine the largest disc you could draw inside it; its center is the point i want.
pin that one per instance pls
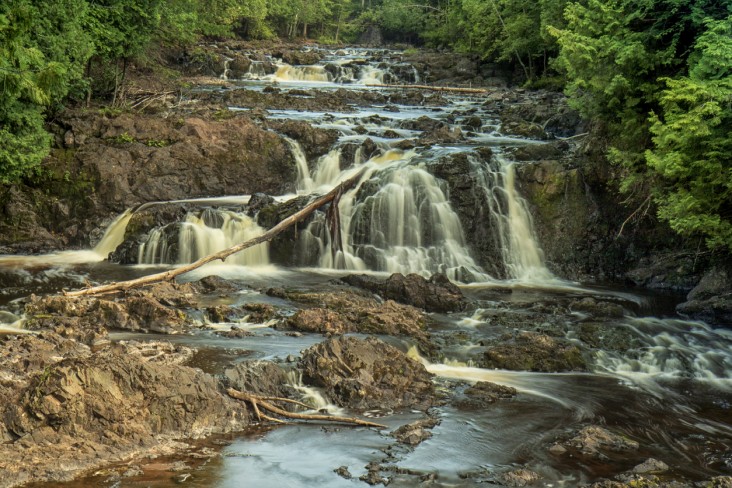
(522, 374)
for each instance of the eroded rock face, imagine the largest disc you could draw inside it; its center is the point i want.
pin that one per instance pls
(367, 373)
(68, 415)
(120, 162)
(438, 294)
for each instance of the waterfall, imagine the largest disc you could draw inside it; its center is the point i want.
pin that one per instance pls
(114, 235)
(371, 76)
(201, 235)
(397, 219)
(512, 223)
(225, 75)
(302, 73)
(305, 183)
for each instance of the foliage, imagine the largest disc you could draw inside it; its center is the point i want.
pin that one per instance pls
(692, 153)
(36, 71)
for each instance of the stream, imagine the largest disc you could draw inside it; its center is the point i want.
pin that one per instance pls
(653, 377)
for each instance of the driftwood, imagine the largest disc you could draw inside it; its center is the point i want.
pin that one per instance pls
(433, 88)
(222, 255)
(263, 403)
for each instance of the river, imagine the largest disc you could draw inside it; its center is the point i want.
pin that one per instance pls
(668, 387)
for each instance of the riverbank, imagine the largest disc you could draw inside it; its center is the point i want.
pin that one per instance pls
(501, 192)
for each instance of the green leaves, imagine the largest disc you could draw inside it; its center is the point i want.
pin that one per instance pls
(692, 150)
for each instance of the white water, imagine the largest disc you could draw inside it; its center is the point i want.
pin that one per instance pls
(304, 181)
(405, 225)
(673, 349)
(522, 256)
(205, 234)
(311, 396)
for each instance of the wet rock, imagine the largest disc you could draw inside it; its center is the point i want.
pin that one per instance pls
(593, 441)
(523, 128)
(530, 351)
(711, 299)
(650, 465)
(284, 249)
(438, 294)
(485, 393)
(234, 333)
(314, 141)
(423, 123)
(299, 57)
(537, 152)
(473, 122)
(367, 373)
(258, 377)
(152, 309)
(163, 217)
(214, 284)
(415, 433)
(346, 311)
(373, 475)
(221, 313)
(597, 308)
(442, 135)
(259, 313)
(257, 202)
(319, 320)
(519, 477)
(607, 337)
(343, 472)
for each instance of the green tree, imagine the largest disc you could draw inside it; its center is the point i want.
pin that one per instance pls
(42, 52)
(692, 155)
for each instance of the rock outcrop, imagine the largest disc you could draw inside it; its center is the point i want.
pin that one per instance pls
(367, 373)
(438, 294)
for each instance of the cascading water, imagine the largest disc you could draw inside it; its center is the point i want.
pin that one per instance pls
(397, 219)
(511, 220)
(305, 183)
(302, 73)
(202, 235)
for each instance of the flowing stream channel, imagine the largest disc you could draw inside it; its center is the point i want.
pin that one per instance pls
(669, 387)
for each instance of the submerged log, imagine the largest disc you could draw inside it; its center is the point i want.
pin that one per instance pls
(433, 88)
(222, 255)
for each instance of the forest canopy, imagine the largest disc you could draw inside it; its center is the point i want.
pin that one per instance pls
(653, 76)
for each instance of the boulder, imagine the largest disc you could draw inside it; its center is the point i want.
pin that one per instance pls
(485, 393)
(345, 311)
(438, 294)
(531, 351)
(594, 441)
(367, 373)
(258, 377)
(711, 299)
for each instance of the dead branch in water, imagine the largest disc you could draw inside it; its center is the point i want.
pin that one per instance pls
(262, 403)
(433, 88)
(222, 255)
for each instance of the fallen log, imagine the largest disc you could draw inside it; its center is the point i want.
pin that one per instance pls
(263, 403)
(433, 88)
(221, 255)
